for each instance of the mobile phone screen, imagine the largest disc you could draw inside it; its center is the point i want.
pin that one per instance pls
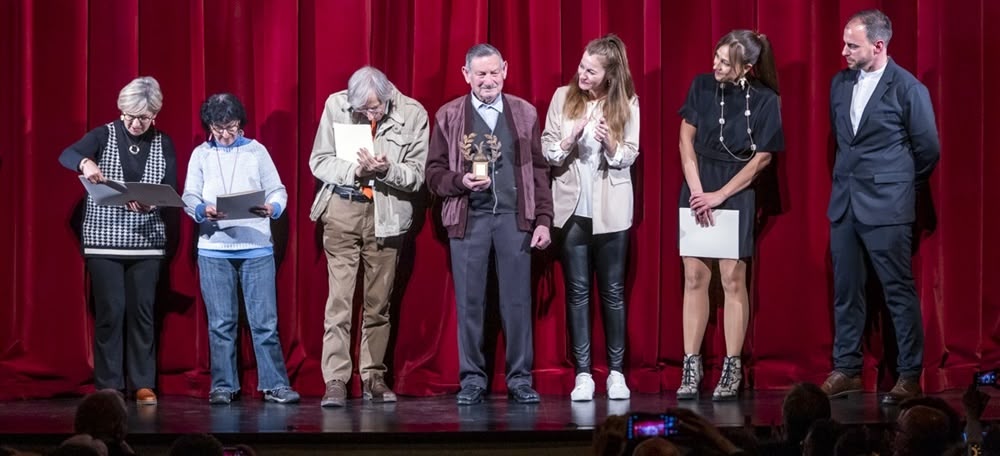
(648, 425)
(986, 378)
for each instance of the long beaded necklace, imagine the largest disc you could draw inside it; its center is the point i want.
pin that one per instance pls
(722, 119)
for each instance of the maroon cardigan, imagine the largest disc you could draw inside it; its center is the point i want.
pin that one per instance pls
(446, 166)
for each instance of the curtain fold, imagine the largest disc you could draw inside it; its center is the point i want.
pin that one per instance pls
(61, 75)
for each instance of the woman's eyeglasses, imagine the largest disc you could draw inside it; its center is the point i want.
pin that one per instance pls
(129, 118)
(232, 129)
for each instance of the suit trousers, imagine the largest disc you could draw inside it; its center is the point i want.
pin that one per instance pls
(607, 252)
(889, 248)
(349, 241)
(124, 293)
(470, 266)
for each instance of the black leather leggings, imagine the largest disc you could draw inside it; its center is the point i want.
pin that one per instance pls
(608, 253)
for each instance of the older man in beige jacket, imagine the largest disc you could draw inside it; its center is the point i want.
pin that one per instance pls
(365, 208)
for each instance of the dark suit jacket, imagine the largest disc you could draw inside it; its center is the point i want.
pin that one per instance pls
(895, 148)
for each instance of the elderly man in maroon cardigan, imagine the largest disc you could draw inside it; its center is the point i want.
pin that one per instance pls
(509, 209)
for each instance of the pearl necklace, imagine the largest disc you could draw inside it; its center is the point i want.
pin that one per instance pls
(722, 119)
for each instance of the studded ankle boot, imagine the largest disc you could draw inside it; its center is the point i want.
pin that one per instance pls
(729, 383)
(690, 377)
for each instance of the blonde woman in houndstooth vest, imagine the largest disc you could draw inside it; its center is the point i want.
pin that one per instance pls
(124, 245)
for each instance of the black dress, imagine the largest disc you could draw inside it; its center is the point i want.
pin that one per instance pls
(716, 166)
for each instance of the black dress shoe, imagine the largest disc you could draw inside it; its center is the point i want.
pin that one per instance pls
(470, 394)
(523, 394)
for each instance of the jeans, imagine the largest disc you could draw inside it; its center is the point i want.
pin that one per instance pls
(219, 277)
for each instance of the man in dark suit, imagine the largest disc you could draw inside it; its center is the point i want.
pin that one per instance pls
(887, 146)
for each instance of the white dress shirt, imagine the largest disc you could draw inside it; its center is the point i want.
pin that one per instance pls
(489, 112)
(863, 90)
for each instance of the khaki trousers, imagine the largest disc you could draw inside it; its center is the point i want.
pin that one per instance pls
(349, 241)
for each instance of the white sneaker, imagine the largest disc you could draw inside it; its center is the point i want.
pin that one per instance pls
(616, 386)
(584, 389)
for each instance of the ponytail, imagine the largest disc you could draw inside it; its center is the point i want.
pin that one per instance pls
(765, 69)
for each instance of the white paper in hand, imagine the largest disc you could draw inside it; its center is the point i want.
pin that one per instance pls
(350, 138)
(721, 240)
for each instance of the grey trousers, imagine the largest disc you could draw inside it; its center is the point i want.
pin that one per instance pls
(469, 264)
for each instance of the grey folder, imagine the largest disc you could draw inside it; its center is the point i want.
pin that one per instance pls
(238, 206)
(111, 193)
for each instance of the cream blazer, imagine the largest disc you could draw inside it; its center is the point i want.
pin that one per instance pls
(611, 196)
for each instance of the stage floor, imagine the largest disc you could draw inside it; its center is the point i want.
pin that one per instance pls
(422, 418)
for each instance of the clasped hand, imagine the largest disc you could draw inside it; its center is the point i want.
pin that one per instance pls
(368, 164)
(702, 204)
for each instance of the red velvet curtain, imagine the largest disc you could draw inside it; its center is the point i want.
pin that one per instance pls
(62, 63)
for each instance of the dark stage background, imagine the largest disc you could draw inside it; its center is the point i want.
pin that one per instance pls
(62, 63)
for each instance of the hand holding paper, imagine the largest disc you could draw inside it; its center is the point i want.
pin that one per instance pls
(238, 206)
(349, 139)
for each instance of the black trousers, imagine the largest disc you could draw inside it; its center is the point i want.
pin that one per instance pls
(470, 266)
(889, 249)
(124, 292)
(607, 253)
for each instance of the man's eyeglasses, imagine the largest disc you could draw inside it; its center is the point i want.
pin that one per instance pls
(129, 118)
(380, 109)
(220, 129)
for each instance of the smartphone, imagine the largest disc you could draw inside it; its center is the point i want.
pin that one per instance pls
(986, 378)
(644, 425)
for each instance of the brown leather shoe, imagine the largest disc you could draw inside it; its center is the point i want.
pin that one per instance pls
(145, 396)
(376, 390)
(336, 394)
(839, 384)
(905, 388)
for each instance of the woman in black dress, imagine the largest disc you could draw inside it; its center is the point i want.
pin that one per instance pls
(731, 125)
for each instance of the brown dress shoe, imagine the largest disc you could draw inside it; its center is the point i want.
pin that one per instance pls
(336, 394)
(839, 384)
(145, 396)
(376, 390)
(905, 388)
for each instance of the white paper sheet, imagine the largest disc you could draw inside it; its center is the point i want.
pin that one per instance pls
(350, 138)
(721, 240)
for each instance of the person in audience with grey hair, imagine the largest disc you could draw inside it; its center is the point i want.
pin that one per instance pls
(125, 245)
(365, 208)
(234, 249)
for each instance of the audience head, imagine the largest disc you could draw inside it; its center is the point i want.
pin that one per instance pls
(954, 421)
(923, 430)
(656, 446)
(103, 415)
(610, 438)
(804, 404)
(196, 445)
(821, 438)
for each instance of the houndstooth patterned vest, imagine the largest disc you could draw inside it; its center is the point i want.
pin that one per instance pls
(114, 231)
